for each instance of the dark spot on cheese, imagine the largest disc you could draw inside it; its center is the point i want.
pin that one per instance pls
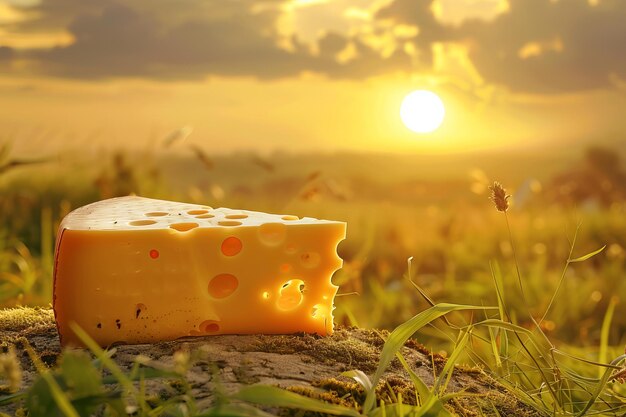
(139, 308)
(118, 323)
(99, 325)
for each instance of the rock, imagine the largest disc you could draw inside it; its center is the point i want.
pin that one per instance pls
(306, 364)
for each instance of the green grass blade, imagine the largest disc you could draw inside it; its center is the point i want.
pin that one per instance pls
(494, 348)
(403, 332)
(421, 389)
(587, 256)
(444, 378)
(496, 274)
(601, 385)
(278, 397)
(604, 333)
(8, 399)
(503, 325)
(428, 403)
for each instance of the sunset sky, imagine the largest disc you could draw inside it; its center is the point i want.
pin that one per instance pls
(306, 75)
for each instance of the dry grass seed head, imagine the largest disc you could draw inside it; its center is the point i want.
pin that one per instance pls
(499, 196)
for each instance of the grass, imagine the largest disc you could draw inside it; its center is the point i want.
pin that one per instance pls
(545, 319)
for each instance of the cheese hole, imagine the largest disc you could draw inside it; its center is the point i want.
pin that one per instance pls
(237, 216)
(156, 214)
(142, 222)
(310, 259)
(183, 227)
(290, 295)
(319, 311)
(209, 326)
(229, 223)
(223, 285)
(266, 295)
(205, 216)
(272, 234)
(139, 308)
(197, 212)
(231, 246)
(154, 254)
(289, 217)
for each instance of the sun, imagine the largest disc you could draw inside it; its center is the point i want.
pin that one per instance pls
(422, 111)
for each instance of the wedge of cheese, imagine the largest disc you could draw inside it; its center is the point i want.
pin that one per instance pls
(135, 270)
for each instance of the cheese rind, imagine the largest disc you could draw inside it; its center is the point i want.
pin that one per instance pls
(137, 270)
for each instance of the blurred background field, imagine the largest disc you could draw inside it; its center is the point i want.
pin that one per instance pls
(434, 208)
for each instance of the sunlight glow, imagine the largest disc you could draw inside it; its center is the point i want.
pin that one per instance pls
(422, 111)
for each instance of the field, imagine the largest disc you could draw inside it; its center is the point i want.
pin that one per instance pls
(421, 230)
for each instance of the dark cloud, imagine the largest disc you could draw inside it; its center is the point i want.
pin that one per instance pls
(49, 15)
(6, 53)
(332, 43)
(577, 46)
(122, 41)
(417, 13)
(592, 45)
(221, 38)
(583, 45)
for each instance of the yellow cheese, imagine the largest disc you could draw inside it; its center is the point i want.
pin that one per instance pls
(137, 270)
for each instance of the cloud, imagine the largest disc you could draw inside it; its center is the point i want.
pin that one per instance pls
(121, 41)
(418, 13)
(6, 53)
(537, 46)
(220, 38)
(587, 45)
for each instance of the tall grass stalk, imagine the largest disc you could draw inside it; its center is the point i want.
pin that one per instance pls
(604, 333)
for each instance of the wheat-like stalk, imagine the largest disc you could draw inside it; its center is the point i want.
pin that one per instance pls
(499, 196)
